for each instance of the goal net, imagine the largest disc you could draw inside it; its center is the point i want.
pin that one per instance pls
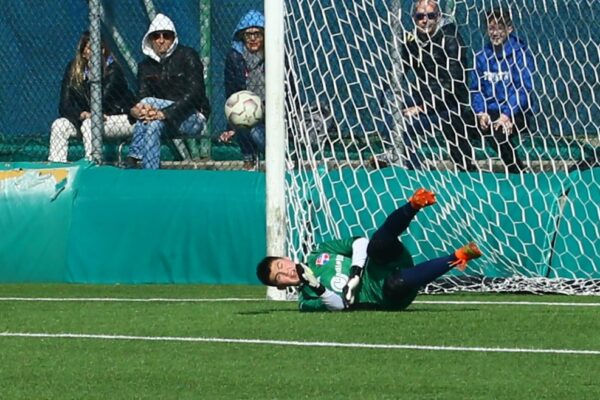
(528, 192)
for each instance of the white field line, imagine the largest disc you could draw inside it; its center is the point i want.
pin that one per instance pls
(509, 303)
(296, 343)
(130, 300)
(233, 299)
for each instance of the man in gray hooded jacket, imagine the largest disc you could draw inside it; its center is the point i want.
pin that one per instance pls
(172, 96)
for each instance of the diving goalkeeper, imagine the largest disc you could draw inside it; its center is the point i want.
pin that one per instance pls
(358, 273)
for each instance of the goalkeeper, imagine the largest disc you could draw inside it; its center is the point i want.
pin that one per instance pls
(358, 273)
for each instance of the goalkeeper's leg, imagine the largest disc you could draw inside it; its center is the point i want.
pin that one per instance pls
(409, 279)
(384, 245)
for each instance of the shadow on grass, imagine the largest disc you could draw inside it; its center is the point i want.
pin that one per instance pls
(362, 311)
(440, 310)
(267, 311)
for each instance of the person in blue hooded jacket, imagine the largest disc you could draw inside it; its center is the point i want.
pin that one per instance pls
(245, 70)
(501, 86)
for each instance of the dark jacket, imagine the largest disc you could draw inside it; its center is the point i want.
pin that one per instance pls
(180, 78)
(177, 76)
(116, 96)
(501, 82)
(236, 71)
(439, 64)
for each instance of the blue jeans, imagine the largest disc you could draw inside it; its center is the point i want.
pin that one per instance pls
(145, 145)
(251, 141)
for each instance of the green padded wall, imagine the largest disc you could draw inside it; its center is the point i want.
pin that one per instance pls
(35, 216)
(110, 225)
(533, 198)
(88, 224)
(574, 247)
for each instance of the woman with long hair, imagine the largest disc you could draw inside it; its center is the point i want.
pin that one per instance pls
(75, 105)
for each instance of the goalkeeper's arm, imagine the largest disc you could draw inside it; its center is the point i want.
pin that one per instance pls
(359, 259)
(331, 300)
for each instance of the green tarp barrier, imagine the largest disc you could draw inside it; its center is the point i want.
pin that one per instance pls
(514, 218)
(88, 224)
(110, 225)
(579, 230)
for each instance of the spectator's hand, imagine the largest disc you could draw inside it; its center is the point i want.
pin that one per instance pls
(307, 277)
(484, 121)
(226, 136)
(410, 112)
(155, 115)
(146, 113)
(138, 111)
(351, 285)
(504, 122)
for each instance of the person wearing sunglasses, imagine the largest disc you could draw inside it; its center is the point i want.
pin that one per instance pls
(501, 86)
(172, 95)
(245, 70)
(439, 97)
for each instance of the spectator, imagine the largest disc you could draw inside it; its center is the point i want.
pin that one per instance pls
(245, 70)
(74, 108)
(172, 93)
(436, 55)
(501, 86)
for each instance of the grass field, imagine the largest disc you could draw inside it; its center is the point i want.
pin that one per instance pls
(226, 342)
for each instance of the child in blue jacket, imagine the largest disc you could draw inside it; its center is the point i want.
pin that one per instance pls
(501, 86)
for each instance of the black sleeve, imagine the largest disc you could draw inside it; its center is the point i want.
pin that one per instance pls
(453, 80)
(144, 89)
(193, 93)
(234, 75)
(68, 106)
(117, 97)
(409, 53)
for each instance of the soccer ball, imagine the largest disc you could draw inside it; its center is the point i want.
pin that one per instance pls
(244, 109)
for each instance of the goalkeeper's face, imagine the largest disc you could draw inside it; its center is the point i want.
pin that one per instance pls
(283, 273)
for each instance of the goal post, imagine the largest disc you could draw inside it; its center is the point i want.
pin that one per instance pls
(275, 140)
(345, 85)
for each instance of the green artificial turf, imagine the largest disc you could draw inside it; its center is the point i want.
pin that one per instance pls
(181, 368)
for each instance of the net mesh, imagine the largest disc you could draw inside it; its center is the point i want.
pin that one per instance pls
(42, 39)
(530, 195)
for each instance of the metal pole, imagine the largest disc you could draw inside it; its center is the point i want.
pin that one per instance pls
(275, 132)
(396, 79)
(205, 49)
(96, 64)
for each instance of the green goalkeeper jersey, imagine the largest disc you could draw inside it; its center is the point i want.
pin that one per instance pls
(331, 262)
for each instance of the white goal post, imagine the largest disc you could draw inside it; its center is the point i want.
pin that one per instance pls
(346, 85)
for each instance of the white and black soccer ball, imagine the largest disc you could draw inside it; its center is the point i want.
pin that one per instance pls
(244, 109)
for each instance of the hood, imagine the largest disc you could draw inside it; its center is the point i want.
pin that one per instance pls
(160, 23)
(512, 44)
(252, 18)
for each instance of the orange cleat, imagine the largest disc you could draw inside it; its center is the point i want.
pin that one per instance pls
(422, 198)
(464, 254)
